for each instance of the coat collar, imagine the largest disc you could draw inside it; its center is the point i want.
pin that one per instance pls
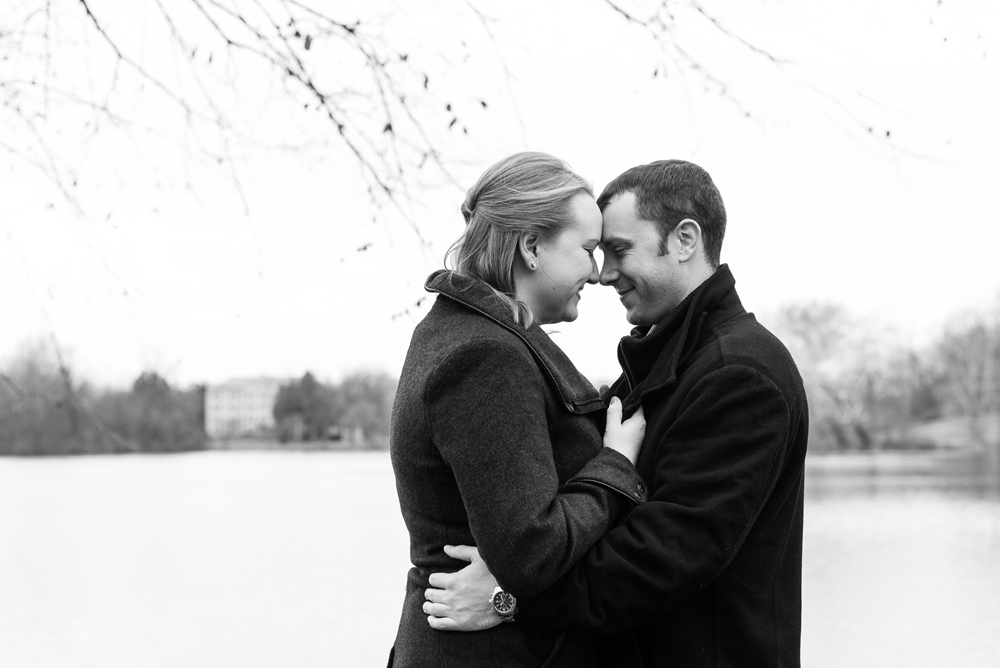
(576, 392)
(650, 359)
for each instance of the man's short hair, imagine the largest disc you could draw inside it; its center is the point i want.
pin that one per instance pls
(667, 192)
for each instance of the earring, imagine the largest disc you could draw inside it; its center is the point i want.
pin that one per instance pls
(532, 265)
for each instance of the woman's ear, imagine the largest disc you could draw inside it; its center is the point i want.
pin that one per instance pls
(688, 233)
(527, 248)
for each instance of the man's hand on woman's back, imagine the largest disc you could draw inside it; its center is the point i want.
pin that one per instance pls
(460, 601)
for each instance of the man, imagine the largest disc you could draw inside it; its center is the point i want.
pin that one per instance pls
(708, 571)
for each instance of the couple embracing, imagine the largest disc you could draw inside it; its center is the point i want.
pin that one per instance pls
(658, 524)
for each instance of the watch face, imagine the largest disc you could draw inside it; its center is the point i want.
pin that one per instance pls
(504, 603)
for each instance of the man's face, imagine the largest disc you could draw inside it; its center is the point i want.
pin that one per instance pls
(649, 285)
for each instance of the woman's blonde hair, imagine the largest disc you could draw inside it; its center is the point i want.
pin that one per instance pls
(524, 193)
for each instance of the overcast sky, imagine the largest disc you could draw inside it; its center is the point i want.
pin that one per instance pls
(213, 280)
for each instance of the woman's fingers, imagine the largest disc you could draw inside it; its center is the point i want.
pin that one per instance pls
(638, 418)
(614, 413)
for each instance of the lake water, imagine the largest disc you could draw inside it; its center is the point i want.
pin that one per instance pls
(261, 559)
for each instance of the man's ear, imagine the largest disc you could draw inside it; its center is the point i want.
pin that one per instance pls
(688, 233)
(527, 248)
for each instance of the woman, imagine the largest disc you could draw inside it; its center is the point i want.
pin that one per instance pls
(496, 437)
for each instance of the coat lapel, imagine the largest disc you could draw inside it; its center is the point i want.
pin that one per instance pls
(650, 359)
(576, 392)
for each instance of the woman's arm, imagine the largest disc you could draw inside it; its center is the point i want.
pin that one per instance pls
(486, 410)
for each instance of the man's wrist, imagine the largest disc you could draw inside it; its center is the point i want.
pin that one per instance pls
(504, 604)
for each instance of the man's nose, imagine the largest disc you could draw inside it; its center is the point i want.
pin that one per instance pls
(609, 273)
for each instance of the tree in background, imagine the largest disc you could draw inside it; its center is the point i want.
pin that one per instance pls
(44, 412)
(365, 400)
(153, 417)
(836, 372)
(908, 393)
(968, 357)
(38, 414)
(307, 409)
(865, 392)
(304, 410)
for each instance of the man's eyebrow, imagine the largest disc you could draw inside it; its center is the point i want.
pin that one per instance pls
(616, 241)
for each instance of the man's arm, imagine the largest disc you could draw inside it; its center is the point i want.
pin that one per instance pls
(715, 467)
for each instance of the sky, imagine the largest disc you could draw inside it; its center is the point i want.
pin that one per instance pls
(858, 166)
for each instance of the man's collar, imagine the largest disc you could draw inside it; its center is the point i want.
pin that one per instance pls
(655, 353)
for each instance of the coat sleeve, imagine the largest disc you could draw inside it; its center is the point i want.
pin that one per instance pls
(486, 408)
(715, 467)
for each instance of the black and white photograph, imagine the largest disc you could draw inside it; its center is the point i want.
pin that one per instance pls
(429, 334)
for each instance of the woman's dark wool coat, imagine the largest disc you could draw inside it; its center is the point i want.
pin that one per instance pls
(496, 442)
(708, 571)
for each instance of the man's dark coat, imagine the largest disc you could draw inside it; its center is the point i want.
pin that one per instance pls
(495, 443)
(708, 572)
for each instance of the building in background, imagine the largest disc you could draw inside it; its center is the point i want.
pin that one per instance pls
(242, 407)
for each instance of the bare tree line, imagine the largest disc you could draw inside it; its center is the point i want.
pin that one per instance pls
(40, 416)
(867, 392)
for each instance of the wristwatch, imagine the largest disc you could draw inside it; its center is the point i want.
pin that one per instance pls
(504, 604)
